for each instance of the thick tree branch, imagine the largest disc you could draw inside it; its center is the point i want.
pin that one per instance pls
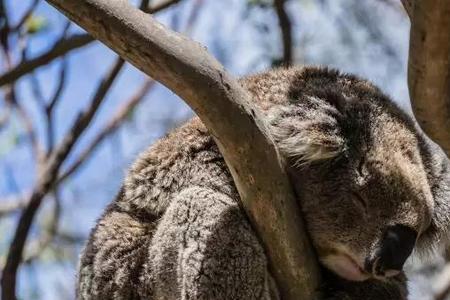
(429, 68)
(56, 97)
(46, 180)
(237, 125)
(60, 48)
(5, 29)
(286, 31)
(59, 88)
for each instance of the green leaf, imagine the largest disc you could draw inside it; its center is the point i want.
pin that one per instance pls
(35, 24)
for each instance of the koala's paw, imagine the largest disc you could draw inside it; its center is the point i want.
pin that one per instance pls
(336, 288)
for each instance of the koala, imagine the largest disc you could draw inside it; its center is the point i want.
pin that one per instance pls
(371, 186)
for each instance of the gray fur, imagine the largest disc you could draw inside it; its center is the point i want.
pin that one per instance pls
(176, 230)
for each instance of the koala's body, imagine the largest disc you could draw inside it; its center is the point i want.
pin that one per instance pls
(371, 188)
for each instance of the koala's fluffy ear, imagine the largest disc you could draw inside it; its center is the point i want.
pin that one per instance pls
(307, 132)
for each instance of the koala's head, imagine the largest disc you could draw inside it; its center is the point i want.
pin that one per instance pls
(362, 173)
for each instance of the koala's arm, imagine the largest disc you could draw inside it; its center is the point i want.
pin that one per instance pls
(201, 248)
(204, 248)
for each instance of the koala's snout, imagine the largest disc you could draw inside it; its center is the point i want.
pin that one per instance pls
(395, 247)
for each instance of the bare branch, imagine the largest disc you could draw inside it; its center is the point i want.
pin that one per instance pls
(144, 4)
(46, 180)
(11, 98)
(52, 103)
(35, 249)
(111, 126)
(4, 29)
(187, 69)
(286, 31)
(30, 130)
(60, 48)
(36, 90)
(59, 88)
(47, 106)
(429, 69)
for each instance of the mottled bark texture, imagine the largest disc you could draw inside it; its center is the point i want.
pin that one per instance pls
(429, 67)
(187, 69)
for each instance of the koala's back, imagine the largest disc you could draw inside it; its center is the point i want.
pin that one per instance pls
(176, 230)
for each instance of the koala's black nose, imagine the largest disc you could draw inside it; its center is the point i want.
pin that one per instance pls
(395, 247)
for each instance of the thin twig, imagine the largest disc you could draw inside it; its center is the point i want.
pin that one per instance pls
(11, 98)
(286, 31)
(48, 106)
(25, 16)
(36, 90)
(56, 97)
(52, 103)
(60, 48)
(144, 4)
(60, 87)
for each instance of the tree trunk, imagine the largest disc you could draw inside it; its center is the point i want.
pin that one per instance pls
(429, 67)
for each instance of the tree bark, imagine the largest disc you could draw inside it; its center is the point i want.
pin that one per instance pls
(429, 77)
(187, 69)
(429, 67)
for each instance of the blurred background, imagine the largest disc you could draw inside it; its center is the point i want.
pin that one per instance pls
(62, 92)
